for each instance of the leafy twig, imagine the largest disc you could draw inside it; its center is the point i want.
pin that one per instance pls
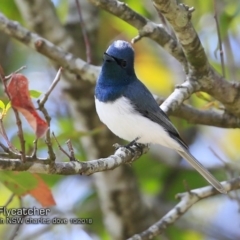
(18, 120)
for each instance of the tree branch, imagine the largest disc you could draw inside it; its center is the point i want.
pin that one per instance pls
(145, 27)
(179, 16)
(37, 165)
(203, 117)
(187, 199)
(217, 86)
(66, 60)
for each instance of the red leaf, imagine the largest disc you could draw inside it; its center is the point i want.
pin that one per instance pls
(21, 101)
(42, 193)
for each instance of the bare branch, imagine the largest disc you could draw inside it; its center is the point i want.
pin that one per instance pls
(71, 150)
(180, 94)
(9, 200)
(34, 41)
(4, 134)
(53, 85)
(145, 27)
(34, 152)
(179, 16)
(201, 73)
(204, 117)
(60, 147)
(18, 225)
(84, 32)
(46, 115)
(121, 156)
(224, 91)
(186, 201)
(219, 39)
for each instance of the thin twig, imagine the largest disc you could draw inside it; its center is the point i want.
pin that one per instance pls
(4, 134)
(5, 149)
(230, 170)
(42, 108)
(219, 38)
(187, 200)
(16, 231)
(60, 147)
(84, 32)
(9, 200)
(53, 85)
(71, 150)
(34, 152)
(186, 186)
(2, 74)
(18, 70)
(216, 155)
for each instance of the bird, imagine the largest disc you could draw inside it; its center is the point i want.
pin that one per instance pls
(126, 106)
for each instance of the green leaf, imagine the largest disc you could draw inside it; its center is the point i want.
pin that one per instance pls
(18, 182)
(51, 180)
(8, 106)
(2, 105)
(35, 93)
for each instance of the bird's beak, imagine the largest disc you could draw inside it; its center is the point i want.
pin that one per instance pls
(107, 57)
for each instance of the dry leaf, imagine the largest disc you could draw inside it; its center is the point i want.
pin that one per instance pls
(42, 193)
(21, 101)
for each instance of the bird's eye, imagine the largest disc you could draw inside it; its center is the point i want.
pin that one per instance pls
(123, 63)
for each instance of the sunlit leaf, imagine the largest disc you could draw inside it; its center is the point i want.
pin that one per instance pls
(35, 93)
(18, 183)
(8, 106)
(2, 105)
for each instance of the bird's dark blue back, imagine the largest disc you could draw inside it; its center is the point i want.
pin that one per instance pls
(144, 102)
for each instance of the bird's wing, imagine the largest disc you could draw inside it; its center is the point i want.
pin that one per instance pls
(143, 101)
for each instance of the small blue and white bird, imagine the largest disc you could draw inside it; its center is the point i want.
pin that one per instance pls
(127, 107)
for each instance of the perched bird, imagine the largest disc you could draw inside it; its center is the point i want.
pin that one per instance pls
(127, 107)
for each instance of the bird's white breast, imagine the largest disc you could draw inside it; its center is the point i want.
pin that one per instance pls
(125, 122)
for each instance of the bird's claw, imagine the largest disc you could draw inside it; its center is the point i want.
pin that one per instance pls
(130, 145)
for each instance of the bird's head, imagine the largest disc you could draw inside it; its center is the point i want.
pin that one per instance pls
(118, 63)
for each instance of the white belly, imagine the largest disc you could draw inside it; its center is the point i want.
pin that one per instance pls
(126, 123)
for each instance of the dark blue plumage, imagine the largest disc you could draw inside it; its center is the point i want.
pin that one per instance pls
(129, 110)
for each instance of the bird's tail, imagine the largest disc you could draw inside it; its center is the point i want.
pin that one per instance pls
(202, 170)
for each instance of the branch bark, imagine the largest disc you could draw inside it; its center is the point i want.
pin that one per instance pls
(173, 104)
(187, 200)
(201, 74)
(65, 59)
(145, 27)
(13, 162)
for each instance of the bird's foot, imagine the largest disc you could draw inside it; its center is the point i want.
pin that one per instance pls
(130, 145)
